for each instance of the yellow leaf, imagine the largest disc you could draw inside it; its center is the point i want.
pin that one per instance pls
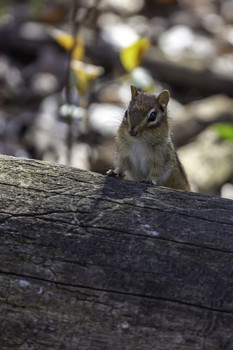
(131, 56)
(62, 38)
(85, 73)
(67, 42)
(78, 51)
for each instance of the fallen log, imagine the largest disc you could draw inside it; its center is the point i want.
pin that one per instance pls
(89, 262)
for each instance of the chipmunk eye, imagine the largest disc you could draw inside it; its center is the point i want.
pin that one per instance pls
(152, 117)
(126, 114)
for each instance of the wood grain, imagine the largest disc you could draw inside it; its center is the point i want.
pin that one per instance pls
(89, 262)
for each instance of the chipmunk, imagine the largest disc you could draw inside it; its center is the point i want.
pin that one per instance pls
(145, 151)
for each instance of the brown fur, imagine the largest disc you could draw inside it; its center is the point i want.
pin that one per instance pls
(149, 154)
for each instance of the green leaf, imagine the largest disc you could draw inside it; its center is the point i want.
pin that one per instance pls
(224, 131)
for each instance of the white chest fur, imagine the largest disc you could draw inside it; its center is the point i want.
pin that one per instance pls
(139, 159)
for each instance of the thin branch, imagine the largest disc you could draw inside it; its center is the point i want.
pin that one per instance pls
(76, 25)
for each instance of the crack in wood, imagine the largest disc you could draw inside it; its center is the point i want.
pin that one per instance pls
(165, 209)
(137, 295)
(156, 264)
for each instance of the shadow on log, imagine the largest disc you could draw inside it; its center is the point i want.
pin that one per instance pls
(89, 262)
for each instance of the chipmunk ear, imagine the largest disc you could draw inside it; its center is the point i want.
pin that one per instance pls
(134, 91)
(163, 98)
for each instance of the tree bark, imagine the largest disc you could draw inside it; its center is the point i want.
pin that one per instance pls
(89, 262)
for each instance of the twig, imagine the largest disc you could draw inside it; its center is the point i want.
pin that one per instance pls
(76, 24)
(69, 139)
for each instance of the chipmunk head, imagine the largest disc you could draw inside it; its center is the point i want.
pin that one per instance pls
(147, 114)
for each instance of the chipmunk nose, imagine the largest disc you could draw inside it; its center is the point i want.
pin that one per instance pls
(133, 132)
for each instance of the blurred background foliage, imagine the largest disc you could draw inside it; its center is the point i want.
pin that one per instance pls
(66, 67)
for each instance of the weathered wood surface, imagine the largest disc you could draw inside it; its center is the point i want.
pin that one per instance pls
(89, 262)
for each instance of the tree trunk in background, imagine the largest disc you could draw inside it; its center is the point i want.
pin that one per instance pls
(92, 263)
